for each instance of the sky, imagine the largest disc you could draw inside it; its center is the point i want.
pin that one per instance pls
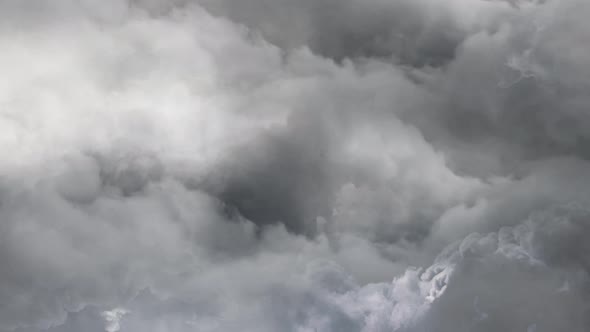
(294, 165)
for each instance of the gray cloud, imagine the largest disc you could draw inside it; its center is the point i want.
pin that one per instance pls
(293, 166)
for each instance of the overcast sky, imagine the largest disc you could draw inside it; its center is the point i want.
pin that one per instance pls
(294, 165)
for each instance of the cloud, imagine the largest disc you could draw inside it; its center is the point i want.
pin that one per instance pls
(293, 166)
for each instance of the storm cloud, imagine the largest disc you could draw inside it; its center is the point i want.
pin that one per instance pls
(274, 165)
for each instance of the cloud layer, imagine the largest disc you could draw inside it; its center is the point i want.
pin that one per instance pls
(273, 165)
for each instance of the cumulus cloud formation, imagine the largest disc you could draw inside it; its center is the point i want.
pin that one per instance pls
(274, 165)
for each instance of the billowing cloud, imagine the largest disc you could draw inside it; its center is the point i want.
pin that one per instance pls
(258, 165)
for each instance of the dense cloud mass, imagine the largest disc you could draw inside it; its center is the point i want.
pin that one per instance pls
(294, 165)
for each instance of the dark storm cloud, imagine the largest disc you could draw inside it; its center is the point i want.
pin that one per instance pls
(514, 90)
(417, 33)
